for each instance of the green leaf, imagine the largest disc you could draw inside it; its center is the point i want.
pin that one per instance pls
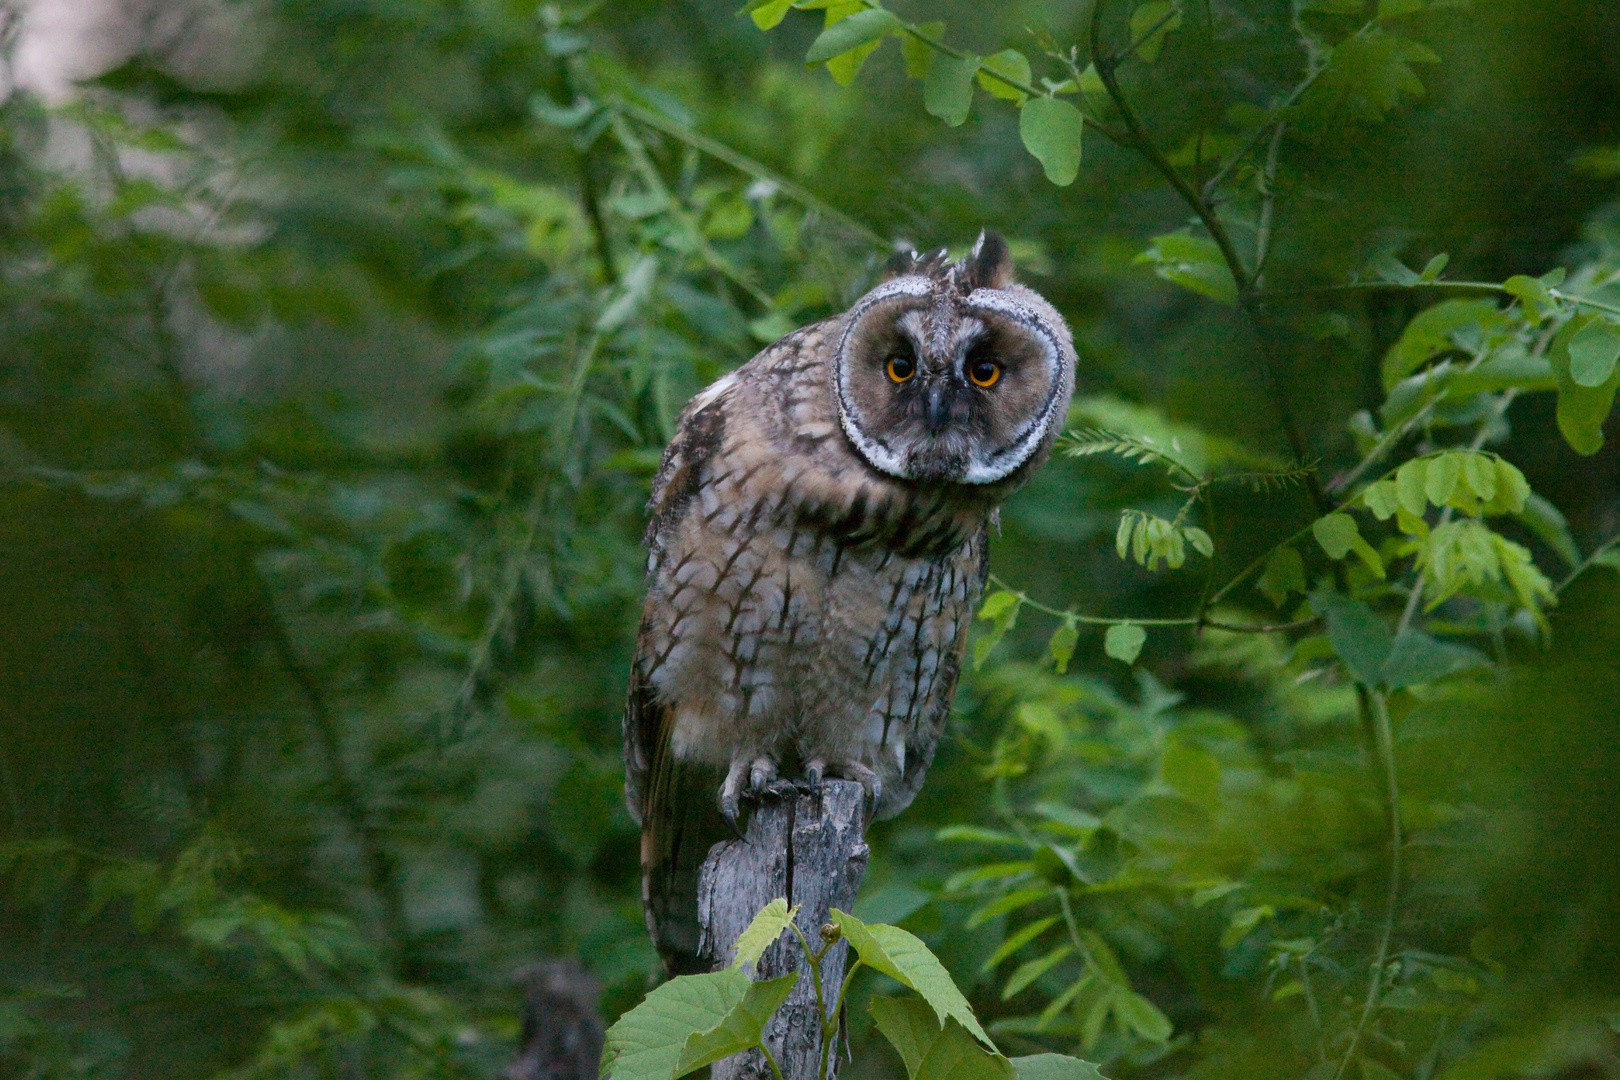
(1366, 79)
(1415, 658)
(1593, 351)
(741, 1028)
(1431, 269)
(768, 13)
(1533, 296)
(1054, 1067)
(861, 27)
(1431, 332)
(1338, 535)
(1061, 646)
(1199, 539)
(1581, 409)
(1284, 574)
(1390, 269)
(1012, 901)
(948, 88)
(917, 57)
(1030, 970)
(647, 1042)
(1001, 608)
(1358, 635)
(1150, 23)
(956, 1056)
(1051, 130)
(1547, 522)
(1392, 9)
(1124, 642)
(1023, 937)
(1142, 1016)
(1193, 772)
(1010, 63)
(772, 922)
(905, 959)
(909, 1025)
(1410, 486)
(1193, 262)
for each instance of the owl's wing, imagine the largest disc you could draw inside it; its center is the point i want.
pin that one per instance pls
(673, 803)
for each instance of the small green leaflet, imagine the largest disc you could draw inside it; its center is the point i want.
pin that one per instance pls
(1338, 536)
(1124, 642)
(904, 958)
(858, 29)
(767, 14)
(1051, 130)
(1001, 608)
(948, 88)
(1284, 574)
(1193, 262)
(1061, 647)
(1013, 66)
(1581, 409)
(1149, 25)
(1593, 351)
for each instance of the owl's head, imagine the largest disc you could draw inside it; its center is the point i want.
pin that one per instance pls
(952, 372)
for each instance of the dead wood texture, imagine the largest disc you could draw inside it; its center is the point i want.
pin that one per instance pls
(805, 846)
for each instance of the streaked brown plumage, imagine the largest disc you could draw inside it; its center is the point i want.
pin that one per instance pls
(817, 549)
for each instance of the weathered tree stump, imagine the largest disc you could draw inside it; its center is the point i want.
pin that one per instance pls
(805, 846)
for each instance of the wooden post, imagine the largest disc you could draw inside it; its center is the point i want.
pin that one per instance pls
(808, 848)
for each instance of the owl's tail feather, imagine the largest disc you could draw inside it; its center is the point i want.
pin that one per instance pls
(679, 824)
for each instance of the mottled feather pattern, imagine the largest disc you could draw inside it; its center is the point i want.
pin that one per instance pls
(806, 610)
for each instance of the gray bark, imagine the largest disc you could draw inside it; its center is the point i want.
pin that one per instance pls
(808, 848)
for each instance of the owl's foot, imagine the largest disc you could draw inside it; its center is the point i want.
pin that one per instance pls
(746, 776)
(817, 768)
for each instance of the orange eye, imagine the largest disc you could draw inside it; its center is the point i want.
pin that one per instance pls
(985, 373)
(901, 369)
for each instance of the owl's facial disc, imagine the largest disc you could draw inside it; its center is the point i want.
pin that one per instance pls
(940, 388)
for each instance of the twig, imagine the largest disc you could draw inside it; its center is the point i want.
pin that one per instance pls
(721, 152)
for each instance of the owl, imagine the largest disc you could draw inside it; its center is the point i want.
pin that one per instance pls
(817, 548)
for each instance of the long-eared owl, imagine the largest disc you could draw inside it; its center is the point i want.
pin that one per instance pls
(817, 550)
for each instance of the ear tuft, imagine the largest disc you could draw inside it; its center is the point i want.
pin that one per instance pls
(901, 263)
(989, 265)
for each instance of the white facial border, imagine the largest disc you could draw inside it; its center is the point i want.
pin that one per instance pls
(877, 453)
(989, 466)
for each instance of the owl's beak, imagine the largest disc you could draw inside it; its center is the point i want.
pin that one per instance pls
(941, 396)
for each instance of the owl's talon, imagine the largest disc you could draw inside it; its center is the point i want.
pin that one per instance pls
(813, 773)
(761, 773)
(870, 781)
(730, 793)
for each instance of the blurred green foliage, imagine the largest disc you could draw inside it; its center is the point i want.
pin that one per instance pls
(332, 378)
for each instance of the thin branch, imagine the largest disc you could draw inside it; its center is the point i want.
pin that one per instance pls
(1491, 287)
(1587, 563)
(1268, 200)
(721, 152)
(1144, 145)
(1392, 808)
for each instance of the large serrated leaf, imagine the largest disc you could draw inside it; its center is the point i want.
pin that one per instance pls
(771, 923)
(1054, 1067)
(956, 1056)
(1416, 657)
(741, 1027)
(910, 1026)
(904, 958)
(647, 1042)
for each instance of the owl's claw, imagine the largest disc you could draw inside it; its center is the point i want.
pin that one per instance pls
(761, 773)
(813, 773)
(869, 780)
(730, 793)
